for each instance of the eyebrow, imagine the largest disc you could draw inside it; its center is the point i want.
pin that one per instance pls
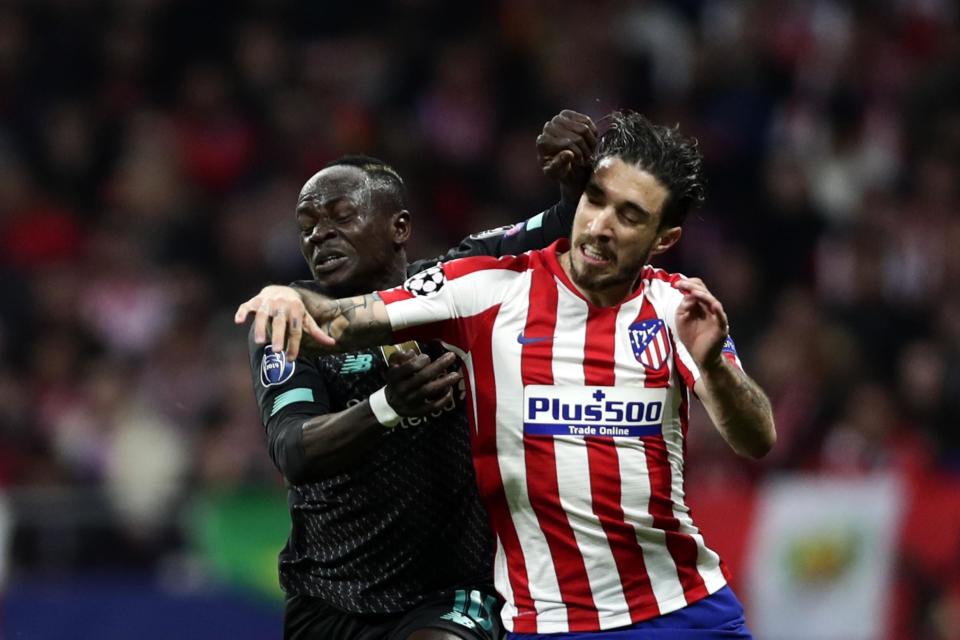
(313, 202)
(594, 188)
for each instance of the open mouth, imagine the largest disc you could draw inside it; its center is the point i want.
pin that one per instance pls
(594, 256)
(328, 263)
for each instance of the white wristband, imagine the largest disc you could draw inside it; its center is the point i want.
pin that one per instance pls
(382, 411)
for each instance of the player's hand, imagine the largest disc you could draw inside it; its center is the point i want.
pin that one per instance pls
(565, 149)
(416, 386)
(702, 324)
(280, 310)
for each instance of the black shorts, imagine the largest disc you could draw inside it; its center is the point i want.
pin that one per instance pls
(471, 614)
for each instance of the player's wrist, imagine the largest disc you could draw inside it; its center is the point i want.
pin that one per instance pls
(382, 410)
(713, 365)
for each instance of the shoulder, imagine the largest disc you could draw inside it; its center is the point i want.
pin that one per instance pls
(661, 284)
(460, 267)
(473, 273)
(465, 266)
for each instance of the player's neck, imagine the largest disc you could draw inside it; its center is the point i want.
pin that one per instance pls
(606, 297)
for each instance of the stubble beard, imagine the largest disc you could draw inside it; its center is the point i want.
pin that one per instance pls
(595, 280)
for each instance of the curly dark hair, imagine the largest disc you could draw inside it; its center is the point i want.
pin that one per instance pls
(385, 178)
(668, 155)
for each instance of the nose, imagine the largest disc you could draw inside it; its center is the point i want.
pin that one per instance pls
(322, 230)
(601, 223)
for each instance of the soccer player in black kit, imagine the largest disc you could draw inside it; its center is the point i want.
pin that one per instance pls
(388, 538)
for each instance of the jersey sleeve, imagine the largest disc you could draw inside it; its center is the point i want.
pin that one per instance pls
(288, 394)
(447, 301)
(535, 233)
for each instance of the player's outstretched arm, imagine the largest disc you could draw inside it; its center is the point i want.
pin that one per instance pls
(736, 404)
(329, 442)
(290, 315)
(565, 150)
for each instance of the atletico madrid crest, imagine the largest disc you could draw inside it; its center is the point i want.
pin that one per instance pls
(650, 342)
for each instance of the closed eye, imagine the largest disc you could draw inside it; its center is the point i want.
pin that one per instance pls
(595, 194)
(306, 224)
(633, 214)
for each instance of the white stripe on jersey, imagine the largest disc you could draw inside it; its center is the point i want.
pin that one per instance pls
(541, 574)
(573, 476)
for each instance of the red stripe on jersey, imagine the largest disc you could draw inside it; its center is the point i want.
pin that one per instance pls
(684, 410)
(685, 374)
(605, 480)
(483, 435)
(541, 463)
(653, 273)
(394, 295)
(463, 266)
(682, 548)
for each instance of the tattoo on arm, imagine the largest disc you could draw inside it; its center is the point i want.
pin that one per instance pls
(741, 410)
(359, 321)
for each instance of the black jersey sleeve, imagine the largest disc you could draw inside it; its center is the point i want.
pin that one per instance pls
(535, 233)
(288, 394)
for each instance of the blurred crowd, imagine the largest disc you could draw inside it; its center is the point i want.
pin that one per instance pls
(151, 153)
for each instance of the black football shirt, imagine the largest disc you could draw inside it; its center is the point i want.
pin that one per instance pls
(404, 521)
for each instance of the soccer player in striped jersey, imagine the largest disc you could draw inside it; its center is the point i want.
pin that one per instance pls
(580, 361)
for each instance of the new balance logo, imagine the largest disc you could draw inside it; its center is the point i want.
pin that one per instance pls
(356, 364)
(460, 619)
(522, 339)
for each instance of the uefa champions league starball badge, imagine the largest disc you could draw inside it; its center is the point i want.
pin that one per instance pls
(427, 282)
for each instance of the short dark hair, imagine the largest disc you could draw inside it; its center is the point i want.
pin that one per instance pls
(668, 155)
(385, 178)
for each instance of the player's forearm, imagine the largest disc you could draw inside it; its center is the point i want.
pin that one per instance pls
(739, 408)
(307, 449)
(357, 322)
(333, 441)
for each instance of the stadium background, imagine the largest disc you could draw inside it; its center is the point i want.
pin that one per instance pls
(151, 152)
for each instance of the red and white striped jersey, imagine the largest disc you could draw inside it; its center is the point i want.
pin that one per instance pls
(578, 421)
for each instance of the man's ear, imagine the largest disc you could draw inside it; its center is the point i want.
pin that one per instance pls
(666, 239)
(402, 227)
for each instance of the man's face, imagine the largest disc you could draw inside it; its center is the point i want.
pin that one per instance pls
(349, 243)
(617, 228)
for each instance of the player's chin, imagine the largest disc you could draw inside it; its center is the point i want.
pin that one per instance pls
(595, 275)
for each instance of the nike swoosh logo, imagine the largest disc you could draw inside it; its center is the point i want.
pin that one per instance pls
(522, 339)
